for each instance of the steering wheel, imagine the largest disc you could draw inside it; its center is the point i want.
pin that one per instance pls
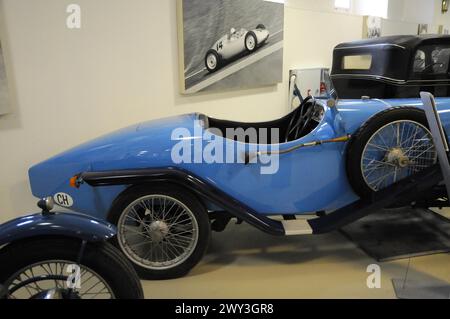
(300, 119)
(428, 68)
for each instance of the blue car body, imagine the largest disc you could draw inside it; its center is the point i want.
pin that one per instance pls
(308, 179)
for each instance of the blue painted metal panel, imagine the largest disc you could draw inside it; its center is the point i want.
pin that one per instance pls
(308, 179)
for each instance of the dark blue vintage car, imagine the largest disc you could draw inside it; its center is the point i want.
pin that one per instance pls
(53, 255)
(167, 183)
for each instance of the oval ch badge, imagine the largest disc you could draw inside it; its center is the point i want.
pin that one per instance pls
(63, 199)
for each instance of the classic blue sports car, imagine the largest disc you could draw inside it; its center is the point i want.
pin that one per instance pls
(167, 183)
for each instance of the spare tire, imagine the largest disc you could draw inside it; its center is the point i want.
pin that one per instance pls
(391, 146)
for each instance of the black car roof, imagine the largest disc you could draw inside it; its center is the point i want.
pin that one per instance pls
(408, 42)
(391, 72)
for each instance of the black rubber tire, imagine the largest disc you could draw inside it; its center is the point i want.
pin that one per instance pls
(218, 58)
(359, 140)
(188, 199)
(261, 26)
(251, 34)
(102, 257)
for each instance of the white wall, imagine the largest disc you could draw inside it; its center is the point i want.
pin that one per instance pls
(395, 27)
(405, 15)
(71, 86)
(417, 11)
(439, 17)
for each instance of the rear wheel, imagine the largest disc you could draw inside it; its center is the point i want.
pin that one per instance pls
(164, 231)
(391, 146)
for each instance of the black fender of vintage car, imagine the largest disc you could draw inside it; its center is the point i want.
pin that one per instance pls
(409, 189)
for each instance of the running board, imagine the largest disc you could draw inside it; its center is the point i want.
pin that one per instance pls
(297, 227)
(408, 190)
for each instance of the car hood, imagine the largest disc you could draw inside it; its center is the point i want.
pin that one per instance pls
(143, 145)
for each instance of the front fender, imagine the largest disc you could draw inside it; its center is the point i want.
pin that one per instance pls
(56, 224)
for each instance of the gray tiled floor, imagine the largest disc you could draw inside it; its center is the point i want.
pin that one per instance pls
(245, 263)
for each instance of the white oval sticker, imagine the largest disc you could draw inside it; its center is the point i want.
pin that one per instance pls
(63, 200)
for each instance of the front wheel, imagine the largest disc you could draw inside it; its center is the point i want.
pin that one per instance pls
(251, 42)
(212, 61)
(163, 230)
(48, 268)
(391, 146)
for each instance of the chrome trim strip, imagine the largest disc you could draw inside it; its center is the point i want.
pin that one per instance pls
(382, 102)
(396, 81)
(372, 45)
(377, 77)
(419, 81)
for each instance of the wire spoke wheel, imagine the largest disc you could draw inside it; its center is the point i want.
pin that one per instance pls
(396, 151)
(158, 232)
(55, 279)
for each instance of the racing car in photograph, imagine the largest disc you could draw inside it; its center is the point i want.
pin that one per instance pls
(341, 158)
(233, 44)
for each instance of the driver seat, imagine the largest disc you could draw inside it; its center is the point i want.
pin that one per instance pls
(281, 125)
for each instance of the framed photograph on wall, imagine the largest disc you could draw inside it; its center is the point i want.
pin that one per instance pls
(232, 44)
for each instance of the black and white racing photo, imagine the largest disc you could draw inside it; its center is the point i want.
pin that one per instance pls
(230, 44)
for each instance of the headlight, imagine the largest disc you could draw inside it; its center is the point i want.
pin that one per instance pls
(46, 204)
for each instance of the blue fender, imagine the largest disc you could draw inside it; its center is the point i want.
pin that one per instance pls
(56, 224)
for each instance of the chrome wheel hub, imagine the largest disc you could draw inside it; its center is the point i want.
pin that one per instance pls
(397, 157)
(212, 61)
(250, 43)
(395, 152)
(158, 230)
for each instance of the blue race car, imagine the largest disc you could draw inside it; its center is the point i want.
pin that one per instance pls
(167, 183)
